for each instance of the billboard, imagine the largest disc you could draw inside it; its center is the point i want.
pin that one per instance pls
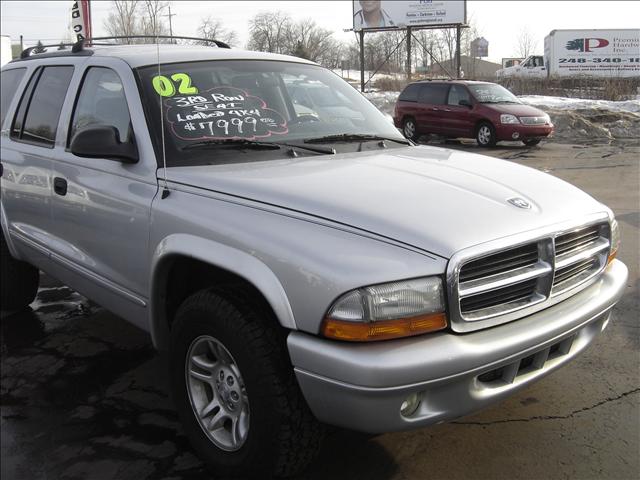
(379, 14)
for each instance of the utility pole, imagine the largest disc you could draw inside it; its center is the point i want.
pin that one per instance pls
(362, 60)
(170, 23)
(409, 54)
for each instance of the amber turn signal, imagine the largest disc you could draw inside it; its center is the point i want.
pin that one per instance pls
(384, 329)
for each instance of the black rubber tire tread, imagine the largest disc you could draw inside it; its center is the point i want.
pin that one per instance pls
(18, 280)
(292, 438)
(493, 141)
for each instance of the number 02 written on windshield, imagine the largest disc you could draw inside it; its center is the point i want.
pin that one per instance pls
(166, 87)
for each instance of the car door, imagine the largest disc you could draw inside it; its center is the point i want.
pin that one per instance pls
(457, 120)
(101, 211)
(28, 147)
(432, 100)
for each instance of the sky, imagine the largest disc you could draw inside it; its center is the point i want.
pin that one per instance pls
(500, 22)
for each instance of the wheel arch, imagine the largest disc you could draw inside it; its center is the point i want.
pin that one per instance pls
(183, 264)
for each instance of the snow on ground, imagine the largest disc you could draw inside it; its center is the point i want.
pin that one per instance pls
(574, 118)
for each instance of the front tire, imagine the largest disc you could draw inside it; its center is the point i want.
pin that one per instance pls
(410, 129)
(235, 390)
(486, 135)
(18, 280)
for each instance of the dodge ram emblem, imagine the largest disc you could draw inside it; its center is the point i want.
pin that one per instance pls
(519, 202)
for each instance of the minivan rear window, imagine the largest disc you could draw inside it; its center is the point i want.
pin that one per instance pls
(410, 94)
(433, 94)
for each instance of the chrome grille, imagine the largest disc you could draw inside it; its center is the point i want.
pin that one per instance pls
(579, 256)
(500, 262)
(533, 120)
(504, 284)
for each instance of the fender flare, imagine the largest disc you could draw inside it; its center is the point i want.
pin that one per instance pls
(240, 263)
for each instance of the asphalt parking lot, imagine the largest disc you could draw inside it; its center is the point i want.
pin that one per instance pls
(84, 396)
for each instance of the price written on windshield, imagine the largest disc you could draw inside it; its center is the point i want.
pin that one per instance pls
(221, 113)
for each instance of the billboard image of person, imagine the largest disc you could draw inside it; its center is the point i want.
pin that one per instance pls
(371, 15)
(391, 14)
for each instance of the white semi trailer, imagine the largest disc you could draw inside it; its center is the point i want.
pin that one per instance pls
(577, 53)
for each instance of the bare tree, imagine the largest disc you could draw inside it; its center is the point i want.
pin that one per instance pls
(527, 43)
(151, 21)
(213, 29)
(135, 17)
(268, 32)
(123, 19)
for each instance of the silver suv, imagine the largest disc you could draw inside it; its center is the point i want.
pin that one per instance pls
(300, 262)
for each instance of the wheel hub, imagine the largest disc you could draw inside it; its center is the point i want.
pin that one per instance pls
(217, 393)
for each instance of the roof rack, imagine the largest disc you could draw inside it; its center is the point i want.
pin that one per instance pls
(28, 51)
(80, 44)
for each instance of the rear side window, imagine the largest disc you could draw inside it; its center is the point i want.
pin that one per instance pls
(435, 94)
(457, 93)
(37, 118)
(410, 94)
(9, 81)
(101, 101)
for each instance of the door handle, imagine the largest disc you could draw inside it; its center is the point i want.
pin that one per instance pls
(60, 186)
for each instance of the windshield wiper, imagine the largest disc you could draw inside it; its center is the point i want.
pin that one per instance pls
(356, 137)
(234, 143)
(241, 143)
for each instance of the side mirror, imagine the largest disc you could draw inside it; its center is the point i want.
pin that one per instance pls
(465, 103)
(103, 141)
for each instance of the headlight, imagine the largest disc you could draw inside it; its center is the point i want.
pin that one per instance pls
(390, 310)
(615, 240)
(508, 118)
(547, 118)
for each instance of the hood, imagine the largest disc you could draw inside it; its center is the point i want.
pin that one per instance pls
(515, 109)
(434, 199)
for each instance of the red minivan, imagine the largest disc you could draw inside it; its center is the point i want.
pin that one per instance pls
(457, 108)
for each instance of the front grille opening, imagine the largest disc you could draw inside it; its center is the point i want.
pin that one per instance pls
(538, 360)
(508, 294)
(576, 240)
(491, 376)
(500, 262)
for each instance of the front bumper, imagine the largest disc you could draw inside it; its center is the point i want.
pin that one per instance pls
(506, 131)
(362, 386)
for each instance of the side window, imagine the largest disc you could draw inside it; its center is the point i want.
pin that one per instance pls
(410, 94)
(434, 94)
(458, 93)
(101, 101)
(39, 110)
(9, 81)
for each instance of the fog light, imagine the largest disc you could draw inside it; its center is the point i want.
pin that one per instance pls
(515, 135)
(410, 405)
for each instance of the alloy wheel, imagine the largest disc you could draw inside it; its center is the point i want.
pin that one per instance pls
(217, 393)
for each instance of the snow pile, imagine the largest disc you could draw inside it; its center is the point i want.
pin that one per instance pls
(574, 118)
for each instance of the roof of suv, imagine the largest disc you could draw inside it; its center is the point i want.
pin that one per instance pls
(143, 55)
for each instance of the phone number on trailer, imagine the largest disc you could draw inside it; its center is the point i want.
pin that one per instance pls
(600, 60)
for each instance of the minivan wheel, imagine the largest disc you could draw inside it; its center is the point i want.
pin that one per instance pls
(531, 142)
(18, 280)
(410, 130)
(486, 135)
(235, 390)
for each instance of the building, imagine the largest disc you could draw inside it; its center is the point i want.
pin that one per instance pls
(471, 67)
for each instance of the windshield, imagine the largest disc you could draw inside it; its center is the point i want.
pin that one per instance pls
(492, 93)
(225, 111)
